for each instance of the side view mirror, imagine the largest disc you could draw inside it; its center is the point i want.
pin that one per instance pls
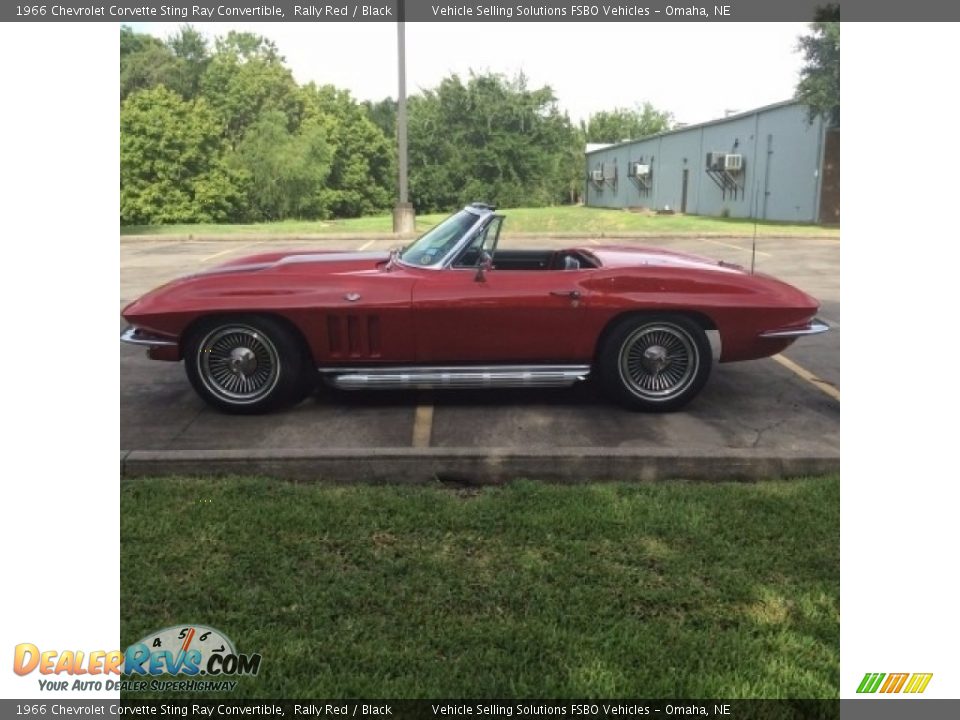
(394, 256)
(483, 267)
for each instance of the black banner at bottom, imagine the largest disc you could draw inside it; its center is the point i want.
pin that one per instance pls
(432, 709)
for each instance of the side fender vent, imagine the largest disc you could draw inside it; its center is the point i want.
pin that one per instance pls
(354, 335)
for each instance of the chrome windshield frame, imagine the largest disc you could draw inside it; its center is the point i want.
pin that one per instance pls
(483, 215)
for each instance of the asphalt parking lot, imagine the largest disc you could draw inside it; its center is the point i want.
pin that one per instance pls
(786, 405)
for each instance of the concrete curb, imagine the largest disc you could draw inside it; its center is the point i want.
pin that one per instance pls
(472, 466)
(343, 237)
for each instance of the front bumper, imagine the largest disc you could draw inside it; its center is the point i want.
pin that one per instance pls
(137, 336)
(814, 327)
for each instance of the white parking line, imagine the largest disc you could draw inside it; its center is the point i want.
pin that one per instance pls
(818, 383)
(229, 250)
(422, 426)
(365, 246)
(735, 247)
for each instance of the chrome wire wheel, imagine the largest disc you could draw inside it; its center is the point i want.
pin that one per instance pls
(658, 362)
(238, 364)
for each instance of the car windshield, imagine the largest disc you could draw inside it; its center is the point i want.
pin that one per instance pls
(437, 242)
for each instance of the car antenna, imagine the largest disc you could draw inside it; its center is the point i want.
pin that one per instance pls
(753, 249)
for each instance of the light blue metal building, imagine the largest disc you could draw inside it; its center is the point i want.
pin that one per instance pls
(769, 163)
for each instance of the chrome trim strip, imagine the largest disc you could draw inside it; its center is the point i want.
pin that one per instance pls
(136, 336)
(454, 377)
(814, 327)
(331, 257)
(410, 369)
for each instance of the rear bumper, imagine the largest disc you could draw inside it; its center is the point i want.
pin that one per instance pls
(814, 327)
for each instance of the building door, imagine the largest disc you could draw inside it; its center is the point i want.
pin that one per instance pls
(683, 191)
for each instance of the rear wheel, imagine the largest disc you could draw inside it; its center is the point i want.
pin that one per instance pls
(655, 362)
(246, 364)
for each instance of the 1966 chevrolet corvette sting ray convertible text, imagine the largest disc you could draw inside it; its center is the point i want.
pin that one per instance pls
(453, 311)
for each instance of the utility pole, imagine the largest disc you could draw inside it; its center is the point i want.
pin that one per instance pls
(403, 219)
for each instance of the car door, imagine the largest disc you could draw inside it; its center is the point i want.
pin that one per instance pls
(466, 315)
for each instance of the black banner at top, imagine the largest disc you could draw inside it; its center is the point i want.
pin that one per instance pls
(335, 11)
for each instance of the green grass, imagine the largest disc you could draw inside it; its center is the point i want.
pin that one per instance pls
(564, 219)
(529, 590)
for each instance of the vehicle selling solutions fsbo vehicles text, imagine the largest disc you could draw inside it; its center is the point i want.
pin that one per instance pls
(574, 11)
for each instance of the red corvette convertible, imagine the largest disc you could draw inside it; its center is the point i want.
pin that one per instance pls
(452, 311)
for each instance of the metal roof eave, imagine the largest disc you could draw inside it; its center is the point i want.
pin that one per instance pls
(697, 126)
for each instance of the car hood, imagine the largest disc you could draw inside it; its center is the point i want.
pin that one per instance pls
(301, 261)
(278, 275)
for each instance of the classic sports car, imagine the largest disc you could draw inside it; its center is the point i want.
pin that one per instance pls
(452, 311)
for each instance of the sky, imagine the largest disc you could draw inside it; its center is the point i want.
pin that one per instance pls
(697, 71)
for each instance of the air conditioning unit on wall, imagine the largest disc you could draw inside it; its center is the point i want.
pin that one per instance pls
(733, 163)
(715, 160)
(596, 175)
(641, 170)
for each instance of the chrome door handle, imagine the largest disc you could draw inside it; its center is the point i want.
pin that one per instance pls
(572, 294)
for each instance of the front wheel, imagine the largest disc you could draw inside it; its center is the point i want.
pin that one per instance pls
(245, 364)
(655, 362)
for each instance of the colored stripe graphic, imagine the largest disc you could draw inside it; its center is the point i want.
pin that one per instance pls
(894, 682)
(918, 682)
(870, 682)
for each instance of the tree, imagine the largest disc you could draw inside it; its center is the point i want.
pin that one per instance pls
(226, 134)
(145, 62)
(492, 138)
(284, 173)
(178, 64)
(190, 49)
(246, 78)
(132, 42)
(819, 85)
(383, 114)
(613, 126)
(171, 161)
(361, 179)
